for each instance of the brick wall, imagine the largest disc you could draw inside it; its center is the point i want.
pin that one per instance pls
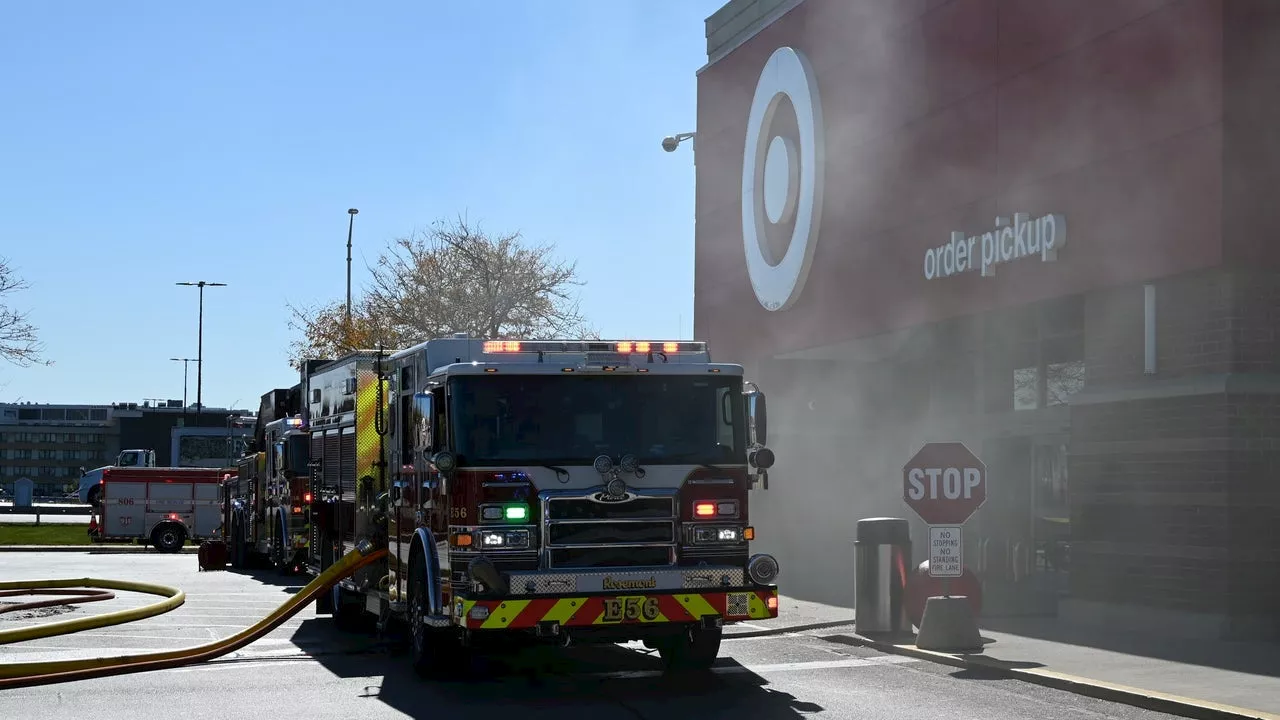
(1149, 500)
(1193, 329)
(1175, 490)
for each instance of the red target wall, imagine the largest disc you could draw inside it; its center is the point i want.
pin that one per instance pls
(1040, 227)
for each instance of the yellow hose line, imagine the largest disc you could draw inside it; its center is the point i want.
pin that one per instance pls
(344, 567)
(173, 598)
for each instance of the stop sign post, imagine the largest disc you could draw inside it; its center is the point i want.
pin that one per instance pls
(944, 483)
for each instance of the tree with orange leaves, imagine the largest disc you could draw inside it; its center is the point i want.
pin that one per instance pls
(453, 278)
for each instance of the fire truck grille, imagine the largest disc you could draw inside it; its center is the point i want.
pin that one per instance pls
(586, 509)
(622, 556)
(583, 532)
(603, 534)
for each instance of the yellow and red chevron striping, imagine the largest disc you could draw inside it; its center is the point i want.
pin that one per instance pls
(519, 613)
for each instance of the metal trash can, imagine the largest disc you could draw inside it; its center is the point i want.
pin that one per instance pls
(882, 562)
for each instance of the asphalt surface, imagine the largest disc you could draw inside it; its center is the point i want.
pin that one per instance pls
(308, 669)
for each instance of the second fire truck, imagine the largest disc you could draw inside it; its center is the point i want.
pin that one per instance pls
(569, 491)
(264, 502)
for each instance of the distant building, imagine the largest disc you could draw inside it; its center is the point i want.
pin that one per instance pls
(52, 443)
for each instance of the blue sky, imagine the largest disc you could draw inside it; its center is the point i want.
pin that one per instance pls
(145, 143)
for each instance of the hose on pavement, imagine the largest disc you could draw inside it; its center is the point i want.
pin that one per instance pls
(29, 674)
(173, 598)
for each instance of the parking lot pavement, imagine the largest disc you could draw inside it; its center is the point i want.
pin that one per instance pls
(308, 669)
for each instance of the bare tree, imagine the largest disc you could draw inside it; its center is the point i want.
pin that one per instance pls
(19, 341)
(452, 278)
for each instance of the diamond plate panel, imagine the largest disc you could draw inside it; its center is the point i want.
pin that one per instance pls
(559, 583)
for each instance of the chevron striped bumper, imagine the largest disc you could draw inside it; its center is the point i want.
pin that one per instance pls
(605, 610)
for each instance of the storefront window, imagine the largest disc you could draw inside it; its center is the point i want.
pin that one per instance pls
(1035, 355)
(1026, 388)
(1063, 380)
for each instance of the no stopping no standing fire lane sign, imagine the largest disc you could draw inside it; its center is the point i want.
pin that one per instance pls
(946, 553)
(945, 484)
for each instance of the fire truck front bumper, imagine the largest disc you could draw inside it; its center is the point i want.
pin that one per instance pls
(631, 608)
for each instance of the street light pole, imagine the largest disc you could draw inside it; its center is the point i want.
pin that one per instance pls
(184, 362)
(202, 284)
(351, 224)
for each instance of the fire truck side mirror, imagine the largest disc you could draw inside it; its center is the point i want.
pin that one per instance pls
(762, 458)
(757, 418)
(297, 456)
(423, 405)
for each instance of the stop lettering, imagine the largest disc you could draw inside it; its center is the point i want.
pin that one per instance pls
(944, 483)
(924, 482)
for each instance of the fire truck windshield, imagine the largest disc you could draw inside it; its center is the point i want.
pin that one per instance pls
(570, 420)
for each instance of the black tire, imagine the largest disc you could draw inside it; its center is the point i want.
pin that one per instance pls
(242, 547)
(347, 616)
(433, 652)
(424, 653)
(233, 543)
(168, 537)
(693, 650)
(282, 556)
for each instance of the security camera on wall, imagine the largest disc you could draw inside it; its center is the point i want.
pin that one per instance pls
(670, 143)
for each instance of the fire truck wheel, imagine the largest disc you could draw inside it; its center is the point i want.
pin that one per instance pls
(168, 537)
(233, 544)
(346, 614)
(694, 649)
(431, 651)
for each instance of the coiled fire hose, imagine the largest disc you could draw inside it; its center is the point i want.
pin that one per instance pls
(29, 674)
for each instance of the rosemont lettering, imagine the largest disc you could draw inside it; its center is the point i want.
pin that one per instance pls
(1024, 237)
(611, 584)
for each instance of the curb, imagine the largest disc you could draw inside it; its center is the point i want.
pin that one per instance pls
(1098, 689)
(772, 632)
(96, 549)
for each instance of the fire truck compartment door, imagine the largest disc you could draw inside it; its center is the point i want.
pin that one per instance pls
(208, 510)
(124, 504)
(168, 498)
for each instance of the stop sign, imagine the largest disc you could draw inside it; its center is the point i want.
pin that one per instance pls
(944, 483)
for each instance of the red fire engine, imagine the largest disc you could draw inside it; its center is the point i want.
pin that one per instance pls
(581, 491)
(162, 506)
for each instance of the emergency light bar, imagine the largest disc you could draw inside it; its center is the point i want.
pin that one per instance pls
(623, 346)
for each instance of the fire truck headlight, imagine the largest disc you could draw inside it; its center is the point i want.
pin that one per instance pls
(714, 535)
(762, 568)
(504, 539)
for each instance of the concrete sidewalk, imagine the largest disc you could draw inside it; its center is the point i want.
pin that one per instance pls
(1203, 679)
(103, 549)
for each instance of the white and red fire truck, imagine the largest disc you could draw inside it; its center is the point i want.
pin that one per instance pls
(582, 491)
(162, 506)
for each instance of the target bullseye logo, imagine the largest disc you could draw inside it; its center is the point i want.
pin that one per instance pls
(782, 176)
